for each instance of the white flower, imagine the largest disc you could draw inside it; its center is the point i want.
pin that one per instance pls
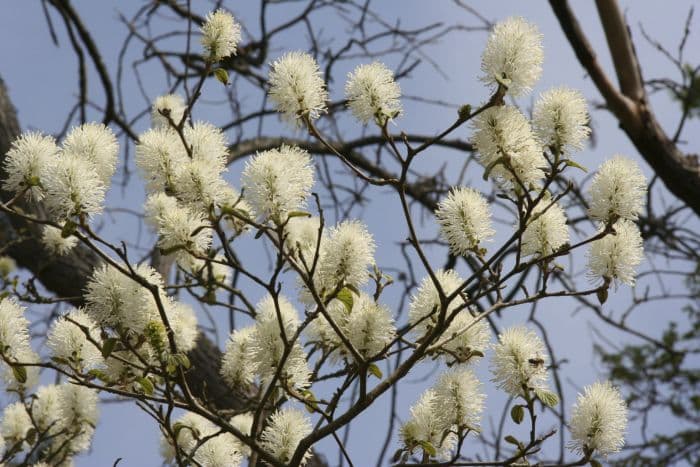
(278, 181)
(465, 220)
(616, 256)
(513, 56)
(618, 190)
(598, 420)
(519, 361)
(180, 231)
(322, 333)
(347, 254)
(220, 35)
(284, 431)
(15, 423)
(459, 397)
(267, 345)
(425, 303)
(208, 144)
(373, 94)
(465, 339)
(237, 369)
(560, 118)
(183, 322)
(54, 242)
(46, 409)
(301, 238)
(507, 147)
(27, 163)
(95, 143)
(220, 450)
(78, 418)
(370, 326)
(297, 87)
(15, 345)
(69, 342)
(116, 300)
(428, 424)
(159, 156)
(169, 104)
(199, 185)
(547, 232)
(74, 188)
(244, 423)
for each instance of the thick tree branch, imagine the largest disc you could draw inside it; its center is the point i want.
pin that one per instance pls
(680, 173)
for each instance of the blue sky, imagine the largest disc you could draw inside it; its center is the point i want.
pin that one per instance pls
(41, 80)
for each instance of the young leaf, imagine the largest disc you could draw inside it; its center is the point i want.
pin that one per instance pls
(548, 398)
(517, 413)
(374, 369)
(345, 296)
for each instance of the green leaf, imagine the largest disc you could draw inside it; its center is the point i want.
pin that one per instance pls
(99, 374)
(311, 401)
(221, 75)
(298, 214)
(147, 385)
(491, 166)
(517, 413)
(20, 373)
(374, 369)
(602, 295)
(512, 440)
(548, 398)
(464, 112)
(345, 296)
(183, 360)
(108, 347)
(571, 163)
(429, 448)
(60, 360)
(31, 436)
(595, 463)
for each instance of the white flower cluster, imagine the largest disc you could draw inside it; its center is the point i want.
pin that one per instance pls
(560, 118)
(72, 180)
(205, 443)
(465, 220)
(519, 363)
(616, 256)
(513, 56)
(287, 427)
(277, 182)
(546, 230)
(373, 94)
(598, 420)
(259, 350)
(15, 346)
(220, 35)
(508, 149)
(617, 191)
(452, 406)
(64, 415)
(297, 88)
(75, 339)
(465, 337)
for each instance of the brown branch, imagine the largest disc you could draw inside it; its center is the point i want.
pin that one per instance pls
(680, 173)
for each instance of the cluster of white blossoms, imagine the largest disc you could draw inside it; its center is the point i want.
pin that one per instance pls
(465, 220)
(452, 406)
(465, 337)
(513, 56)
(519, 362)
(74, 339)
(278, 182)
(546, 231)
(55, 243)
(560, 118)
(202, 441)
(598, 420)
(220, 35)
(64, 415)
(616, 256)
(617, 191)
(508, 149)
(373, 94)
(259, 350)
(287, 427)
(69, 181)
(297, 87)
(15, 347)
